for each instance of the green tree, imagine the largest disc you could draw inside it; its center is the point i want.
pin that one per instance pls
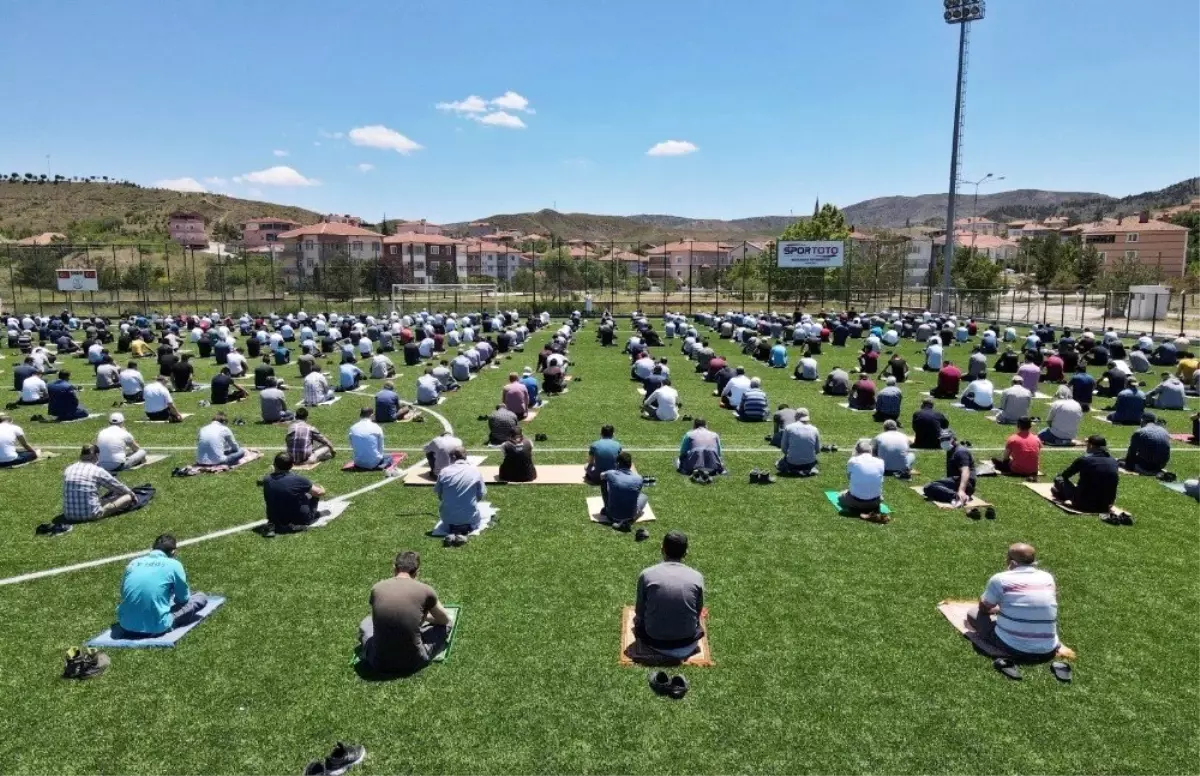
(559, 270)
(445, 273)
(226, 232)
(1190, 219)
(1088, 265)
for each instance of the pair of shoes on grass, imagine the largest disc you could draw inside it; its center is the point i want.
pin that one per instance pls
(53, 529)
(674, 687)
(989, 513)
(1117, 518)
(761, 477)
(454, 540)
(875, 517)
(829, 448)
(343, 757)
(84, 663)
(701, 477)
(1060, 669)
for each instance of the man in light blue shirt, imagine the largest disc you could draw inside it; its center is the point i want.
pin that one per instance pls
(366, 440)
(779, 358)
(349, 376)
(155, 597)
(531, 385)
(459, 489)
(215, 444)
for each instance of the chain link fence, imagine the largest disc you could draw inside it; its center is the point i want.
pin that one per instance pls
(683, 276)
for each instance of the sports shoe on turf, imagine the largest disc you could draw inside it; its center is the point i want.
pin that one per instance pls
(990, 513)
(269, 531)
(659, 682)
(93, 664)
(974, 514)
(448, 540)
(678, 687)
(315, 768)
(72, 663)
(622, 526)
(641, 535)
(343, 757)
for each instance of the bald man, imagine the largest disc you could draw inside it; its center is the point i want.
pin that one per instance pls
(1024, 601)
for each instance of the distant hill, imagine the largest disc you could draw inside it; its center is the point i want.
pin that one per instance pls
(899, 211)
(114, 212)
(1087, 208)
(638, 228)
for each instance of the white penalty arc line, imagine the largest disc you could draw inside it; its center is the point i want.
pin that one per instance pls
(392, 477)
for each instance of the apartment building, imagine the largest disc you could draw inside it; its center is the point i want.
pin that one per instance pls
(427, 256)
(339, 218)
(977, 225)
(634, 264)
(998, 249)
(418, 227)
(1140, 238)
(260, 232)
(490, 259)
(187, 228)
(307, 247)
(684, 259)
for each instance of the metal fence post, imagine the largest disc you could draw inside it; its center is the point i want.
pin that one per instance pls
(1154, 317)
(170, 292)
(690, 273)
(1107, 304)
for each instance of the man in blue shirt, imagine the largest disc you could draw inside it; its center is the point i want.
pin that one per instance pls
(1083, 385)
(459, 489)
(349, 376)
(602, 456)
(1131, 403)
(621, 491)
(155, 597)
(531, 385)
(1149, 447)
(64, 399)
(388, 407)
(779, 355)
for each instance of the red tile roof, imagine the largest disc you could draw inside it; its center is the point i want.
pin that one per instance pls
(407, 238)
(328, 229)
(695, 246)
(272, 220)
(1129, 224)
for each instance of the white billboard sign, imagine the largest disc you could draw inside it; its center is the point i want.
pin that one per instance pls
(809, 254)
(78, 280)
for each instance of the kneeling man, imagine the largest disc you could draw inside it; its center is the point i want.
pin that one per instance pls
(1024, 600)
(407, 624)
(670, 598)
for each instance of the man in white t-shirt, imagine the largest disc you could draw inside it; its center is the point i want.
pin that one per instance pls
(1024, 600)
(236, 363)
(866, 472)
(34, 391)
(14, 450)
(118, 450)
(159, 404)
(731, 397)
(216, 446)
(132, 384)
(663, 403)
(437, 452)
(980, 394)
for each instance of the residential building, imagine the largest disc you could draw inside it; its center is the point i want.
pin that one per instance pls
(187, 228)
(427, 257)
(257, 232)
(998, 249)
(1020, 229)
(746, 249)
(418, 227)
(490, 259)
(478, 228)
(634, 264)
(917, 260)
(977, 225)
(685, 258)
(307, 248)
(1141, 238)
(335, 218)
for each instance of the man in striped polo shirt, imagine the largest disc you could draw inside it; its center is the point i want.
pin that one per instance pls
(1025, 602)
(754, 405)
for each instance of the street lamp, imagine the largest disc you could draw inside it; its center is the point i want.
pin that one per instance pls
(989, 178)
(962, 13)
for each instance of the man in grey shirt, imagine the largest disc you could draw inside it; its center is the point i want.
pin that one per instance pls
(977, 364)
(800, 443)
(459, 488)
(273, 404)
(783, 418)
(1170, 394)
(889, 401)
(892, 447)
(670, 597)
(1014, 402)
(501, 425)
(1138, 361)
(838, 383)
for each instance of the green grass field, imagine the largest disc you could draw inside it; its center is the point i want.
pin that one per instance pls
(831, 656)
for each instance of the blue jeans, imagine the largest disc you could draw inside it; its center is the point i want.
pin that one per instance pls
(231, 459)
(1048, 438)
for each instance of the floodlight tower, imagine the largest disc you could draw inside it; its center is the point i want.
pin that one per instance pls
(962, 13)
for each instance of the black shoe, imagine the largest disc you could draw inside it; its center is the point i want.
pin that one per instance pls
(343, 757)
(904, 475)
(85, 663)
(53, 529)
(315, 768)
(678, 687)
(641, 535)
(990, 513)
(1167, 476)
(268, 531)
(754, 476)
(659, 682)
(623, 526)
(540, 437)
(974, 514)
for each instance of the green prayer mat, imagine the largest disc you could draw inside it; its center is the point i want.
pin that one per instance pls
(832, 495)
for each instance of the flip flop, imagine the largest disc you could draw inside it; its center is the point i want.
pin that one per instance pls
(1007, 667)
(1061, 671)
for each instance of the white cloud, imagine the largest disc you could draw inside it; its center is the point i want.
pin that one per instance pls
(278, 152)
(510, 100)
(672, 148)
(502, 119)
(181, 184)
(365, 167)
(276, 176)
(213, 180)
(330, 135)
(472, 104)
(379, 136)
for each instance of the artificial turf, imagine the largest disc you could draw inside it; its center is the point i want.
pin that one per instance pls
(831, 656)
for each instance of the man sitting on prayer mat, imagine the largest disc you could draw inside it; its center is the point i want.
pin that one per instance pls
(670, 598)
(305, 444)
(621, 492)
(118, 450)
(406, 617)
(892, 447)
(291, 499)
(1149, 449)
(215, 445)
(438, 451)
(517, 464)
(1024, 600)
(1098, 473)
(865, 491)
(459, 489)
(958, 485)
(700, 448)
(14, 449)
(155, 597)
(83, 482)
(63, 402)
(602, 455)
(366, 440)
(1021, 451)
(501, 425)
(800, 442)
(515, 397)
(388, 406)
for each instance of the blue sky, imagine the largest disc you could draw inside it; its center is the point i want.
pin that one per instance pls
(783, 100)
